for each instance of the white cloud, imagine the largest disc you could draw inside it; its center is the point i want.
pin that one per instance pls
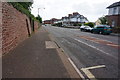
(92, 9)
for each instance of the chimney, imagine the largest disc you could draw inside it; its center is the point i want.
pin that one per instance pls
(69, 15)
(75, 13)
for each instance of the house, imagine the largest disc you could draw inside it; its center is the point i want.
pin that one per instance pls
(70, 20)
(113, 16)
(73, 19)
(98, 22)
(58, 21)
(47, 22)
(51, 21)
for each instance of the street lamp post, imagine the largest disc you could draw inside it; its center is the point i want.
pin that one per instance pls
(38, 10)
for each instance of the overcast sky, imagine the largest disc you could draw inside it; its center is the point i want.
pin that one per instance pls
(92, 9)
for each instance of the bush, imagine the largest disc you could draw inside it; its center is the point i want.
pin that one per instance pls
(75, 24)
(89, 24)
(79, 24)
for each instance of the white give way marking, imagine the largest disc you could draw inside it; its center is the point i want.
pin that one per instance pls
(88, 73)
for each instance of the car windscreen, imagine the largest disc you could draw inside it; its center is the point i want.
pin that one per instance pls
(87, 27)
(103, 26)
(82, 26)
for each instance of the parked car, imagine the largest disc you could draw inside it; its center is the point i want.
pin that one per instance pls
(86, 28)
(82, 28)
(102, 29)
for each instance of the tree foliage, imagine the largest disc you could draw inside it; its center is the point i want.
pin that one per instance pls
(103, 20)
(39, 19)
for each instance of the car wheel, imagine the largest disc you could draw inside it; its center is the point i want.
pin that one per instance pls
(100, 32)
(91, 31)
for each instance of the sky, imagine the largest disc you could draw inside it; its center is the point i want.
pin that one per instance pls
(92, 9)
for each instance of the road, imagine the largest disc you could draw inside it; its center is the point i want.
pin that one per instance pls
(94, 55)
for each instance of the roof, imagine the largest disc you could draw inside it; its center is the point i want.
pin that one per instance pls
(114, 5)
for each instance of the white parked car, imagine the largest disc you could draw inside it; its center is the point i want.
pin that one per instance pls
(86, 28)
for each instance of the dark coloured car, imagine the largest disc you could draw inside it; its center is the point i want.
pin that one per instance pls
(102, 29)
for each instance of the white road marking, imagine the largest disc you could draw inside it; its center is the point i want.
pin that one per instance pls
(95, 67)
(80, 74)
(94, 47)
(88, 73)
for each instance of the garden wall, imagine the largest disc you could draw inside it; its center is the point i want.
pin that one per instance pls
(16, 27)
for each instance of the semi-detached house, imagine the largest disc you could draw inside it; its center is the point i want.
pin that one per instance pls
(72, 19)
(113, 16)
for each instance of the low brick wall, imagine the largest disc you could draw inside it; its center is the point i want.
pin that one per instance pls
(116, 30)
(15, 27)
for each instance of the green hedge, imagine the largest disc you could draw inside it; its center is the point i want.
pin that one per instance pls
(89, 24)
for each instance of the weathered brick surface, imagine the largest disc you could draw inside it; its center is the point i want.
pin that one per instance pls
(36, 25)
(14, 27)
(115, 18)
(0, 28)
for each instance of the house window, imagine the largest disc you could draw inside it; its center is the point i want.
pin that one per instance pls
(114, 10)
(119, 11)
(113, 23)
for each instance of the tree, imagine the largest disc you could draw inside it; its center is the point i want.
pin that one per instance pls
(39, 19)
(103, 20)
(89, 24)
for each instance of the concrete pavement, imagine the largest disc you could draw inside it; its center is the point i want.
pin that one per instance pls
(31, 59)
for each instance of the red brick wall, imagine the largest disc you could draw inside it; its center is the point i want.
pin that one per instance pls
(116, 18)
(14, 27)
(0, 29)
